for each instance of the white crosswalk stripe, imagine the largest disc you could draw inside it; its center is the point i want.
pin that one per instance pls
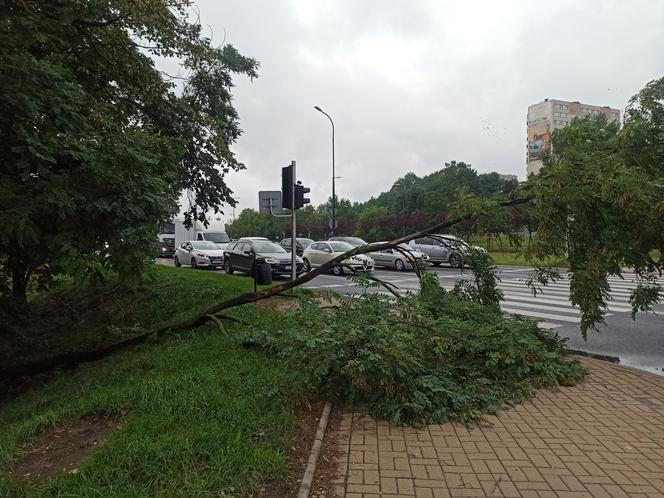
(551, 305)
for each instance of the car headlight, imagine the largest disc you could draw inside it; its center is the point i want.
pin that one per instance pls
(272, 261)
(201, 255)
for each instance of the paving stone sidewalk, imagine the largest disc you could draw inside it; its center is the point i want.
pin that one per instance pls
(604, 437)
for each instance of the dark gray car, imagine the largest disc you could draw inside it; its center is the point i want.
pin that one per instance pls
(240, 256)
(442, 248)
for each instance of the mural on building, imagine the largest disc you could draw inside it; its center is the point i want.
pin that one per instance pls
(539, 141)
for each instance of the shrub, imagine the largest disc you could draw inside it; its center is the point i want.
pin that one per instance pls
(428, 358)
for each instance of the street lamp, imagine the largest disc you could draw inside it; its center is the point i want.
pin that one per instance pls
(334, 198)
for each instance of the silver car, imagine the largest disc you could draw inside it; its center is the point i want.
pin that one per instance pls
(392, 258)
(443, 248)
(319, 253)
(198, 253)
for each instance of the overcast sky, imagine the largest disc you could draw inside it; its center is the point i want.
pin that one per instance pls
(414, 84)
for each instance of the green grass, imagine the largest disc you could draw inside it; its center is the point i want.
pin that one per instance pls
(509, 258)
(202, 415)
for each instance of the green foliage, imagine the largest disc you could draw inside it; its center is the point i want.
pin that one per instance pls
(427, 358)
(200, 415)
(600, 203)
(484, 290)
(97, 142)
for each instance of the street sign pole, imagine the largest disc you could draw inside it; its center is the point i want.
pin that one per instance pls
(294, 227)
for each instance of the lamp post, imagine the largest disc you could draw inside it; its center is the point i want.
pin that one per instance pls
(334, 198)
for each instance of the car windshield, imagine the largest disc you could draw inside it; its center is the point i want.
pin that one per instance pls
(267, 246)
(305, 242)
(167, 228)
(355, 241)
(341, 246)
(204, 244)
(218, 237)
(405, 247)
(451, 240)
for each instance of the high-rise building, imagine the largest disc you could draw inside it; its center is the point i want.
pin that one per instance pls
(550, 115)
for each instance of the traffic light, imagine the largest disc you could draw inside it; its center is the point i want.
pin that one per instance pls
(300, 199)
(287, 187)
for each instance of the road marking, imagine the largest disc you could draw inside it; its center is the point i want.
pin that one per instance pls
(540, 306)
(558, 289)
(548, 325)
(548, 316)
(544, 300)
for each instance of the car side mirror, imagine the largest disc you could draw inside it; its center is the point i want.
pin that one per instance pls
(249, 253)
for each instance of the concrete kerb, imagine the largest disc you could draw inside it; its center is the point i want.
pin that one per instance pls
(308, 478)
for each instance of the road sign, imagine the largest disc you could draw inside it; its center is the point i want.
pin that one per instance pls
(267, 198)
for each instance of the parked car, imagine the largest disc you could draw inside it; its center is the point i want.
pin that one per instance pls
(392, 258)
(221, 239)
(198, 253)
(353, 241)
(302, 244)
(240, 256)
(443, 248)
(320, 253)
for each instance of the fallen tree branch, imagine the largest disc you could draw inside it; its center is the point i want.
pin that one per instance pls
(76, 357)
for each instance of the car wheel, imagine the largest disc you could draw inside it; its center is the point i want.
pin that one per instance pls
(436, 263)
(338, 270)
(456, 261)
(306, 264)
(399, 265)
(193, 263)
(228, 268)
(176, 262)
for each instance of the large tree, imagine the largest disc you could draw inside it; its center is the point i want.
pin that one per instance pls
(599, 202)
(97, 142)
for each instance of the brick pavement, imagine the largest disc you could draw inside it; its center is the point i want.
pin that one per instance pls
(604, 437)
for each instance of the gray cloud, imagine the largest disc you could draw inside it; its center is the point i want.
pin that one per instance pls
(413, 84)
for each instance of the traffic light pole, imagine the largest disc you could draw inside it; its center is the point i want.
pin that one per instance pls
(294, 226)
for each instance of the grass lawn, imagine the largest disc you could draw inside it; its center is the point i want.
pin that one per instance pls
(509, 258)
(197, 413)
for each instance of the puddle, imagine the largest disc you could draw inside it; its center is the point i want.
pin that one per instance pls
(635, 363)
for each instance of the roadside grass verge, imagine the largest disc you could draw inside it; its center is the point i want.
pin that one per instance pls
(199, 413)
(209, 411)
(71, 317)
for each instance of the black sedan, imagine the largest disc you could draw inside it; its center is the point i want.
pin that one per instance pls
(302, 244)
(241, 255)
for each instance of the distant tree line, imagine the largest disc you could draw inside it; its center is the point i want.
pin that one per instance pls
(411, 204)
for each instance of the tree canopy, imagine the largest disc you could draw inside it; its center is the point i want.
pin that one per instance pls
(98, 143)
(599, 200)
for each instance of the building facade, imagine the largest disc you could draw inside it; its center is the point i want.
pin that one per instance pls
(550, 115)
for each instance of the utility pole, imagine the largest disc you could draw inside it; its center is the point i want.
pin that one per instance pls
(334, 197)
(294, 226)
(292, 197)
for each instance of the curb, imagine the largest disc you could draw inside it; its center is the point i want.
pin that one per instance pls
(595, 356)
(308, 478)
(633, 370)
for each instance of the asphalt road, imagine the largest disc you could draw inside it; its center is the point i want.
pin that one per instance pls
(638, 343)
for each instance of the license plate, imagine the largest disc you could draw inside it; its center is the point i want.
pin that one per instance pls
(288, 267)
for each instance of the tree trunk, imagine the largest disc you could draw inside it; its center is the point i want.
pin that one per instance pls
(19, 280)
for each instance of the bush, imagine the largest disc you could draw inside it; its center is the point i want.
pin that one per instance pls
(429, 358)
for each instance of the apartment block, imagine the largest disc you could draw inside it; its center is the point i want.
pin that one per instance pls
(547, 116)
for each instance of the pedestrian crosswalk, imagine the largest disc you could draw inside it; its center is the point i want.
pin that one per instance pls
(550, 305)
